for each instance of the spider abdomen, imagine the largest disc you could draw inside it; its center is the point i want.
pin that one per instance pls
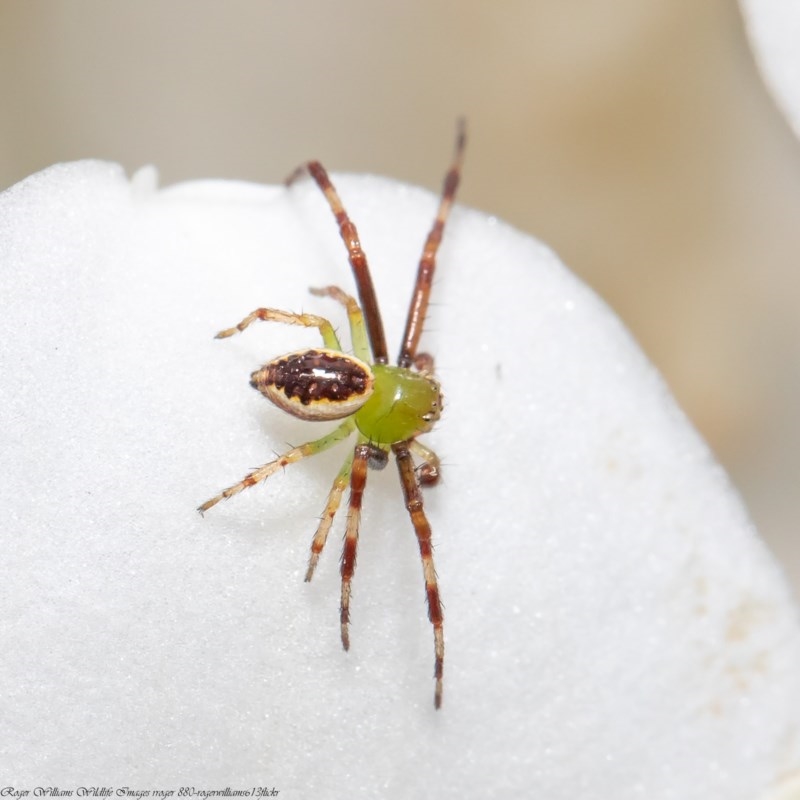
(316, 384)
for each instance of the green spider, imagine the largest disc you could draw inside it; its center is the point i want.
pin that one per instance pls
(386, 406)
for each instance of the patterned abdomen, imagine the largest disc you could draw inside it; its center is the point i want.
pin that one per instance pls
(315, 384)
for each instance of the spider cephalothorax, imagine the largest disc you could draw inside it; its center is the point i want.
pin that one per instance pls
(386, 406)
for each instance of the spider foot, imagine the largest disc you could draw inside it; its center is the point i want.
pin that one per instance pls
(438, 665)
(226, 333)
(261, 474)
(312, 565)
(209, 504)
(247, 482)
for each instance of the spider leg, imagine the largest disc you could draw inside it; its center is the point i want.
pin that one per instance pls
(358, 260)
(331, 507)
(422, 287)
(273, 315)
(358, 480)
(358, 332)
(422, 528)
(430, 470)
(295, 454)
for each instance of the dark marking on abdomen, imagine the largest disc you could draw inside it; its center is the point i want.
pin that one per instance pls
(312, 376)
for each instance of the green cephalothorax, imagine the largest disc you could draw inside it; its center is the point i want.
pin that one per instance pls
(403, 405)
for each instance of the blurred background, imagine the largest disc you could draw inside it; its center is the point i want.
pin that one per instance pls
(633, 136)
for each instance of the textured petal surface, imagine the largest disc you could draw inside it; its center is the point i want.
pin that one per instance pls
(614, 626)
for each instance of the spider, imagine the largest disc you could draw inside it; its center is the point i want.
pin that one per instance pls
(386, 406)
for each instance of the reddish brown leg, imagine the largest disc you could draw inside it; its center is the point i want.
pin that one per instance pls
(358, 480)
(358, 260)
(413, 498)
(427, 265)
